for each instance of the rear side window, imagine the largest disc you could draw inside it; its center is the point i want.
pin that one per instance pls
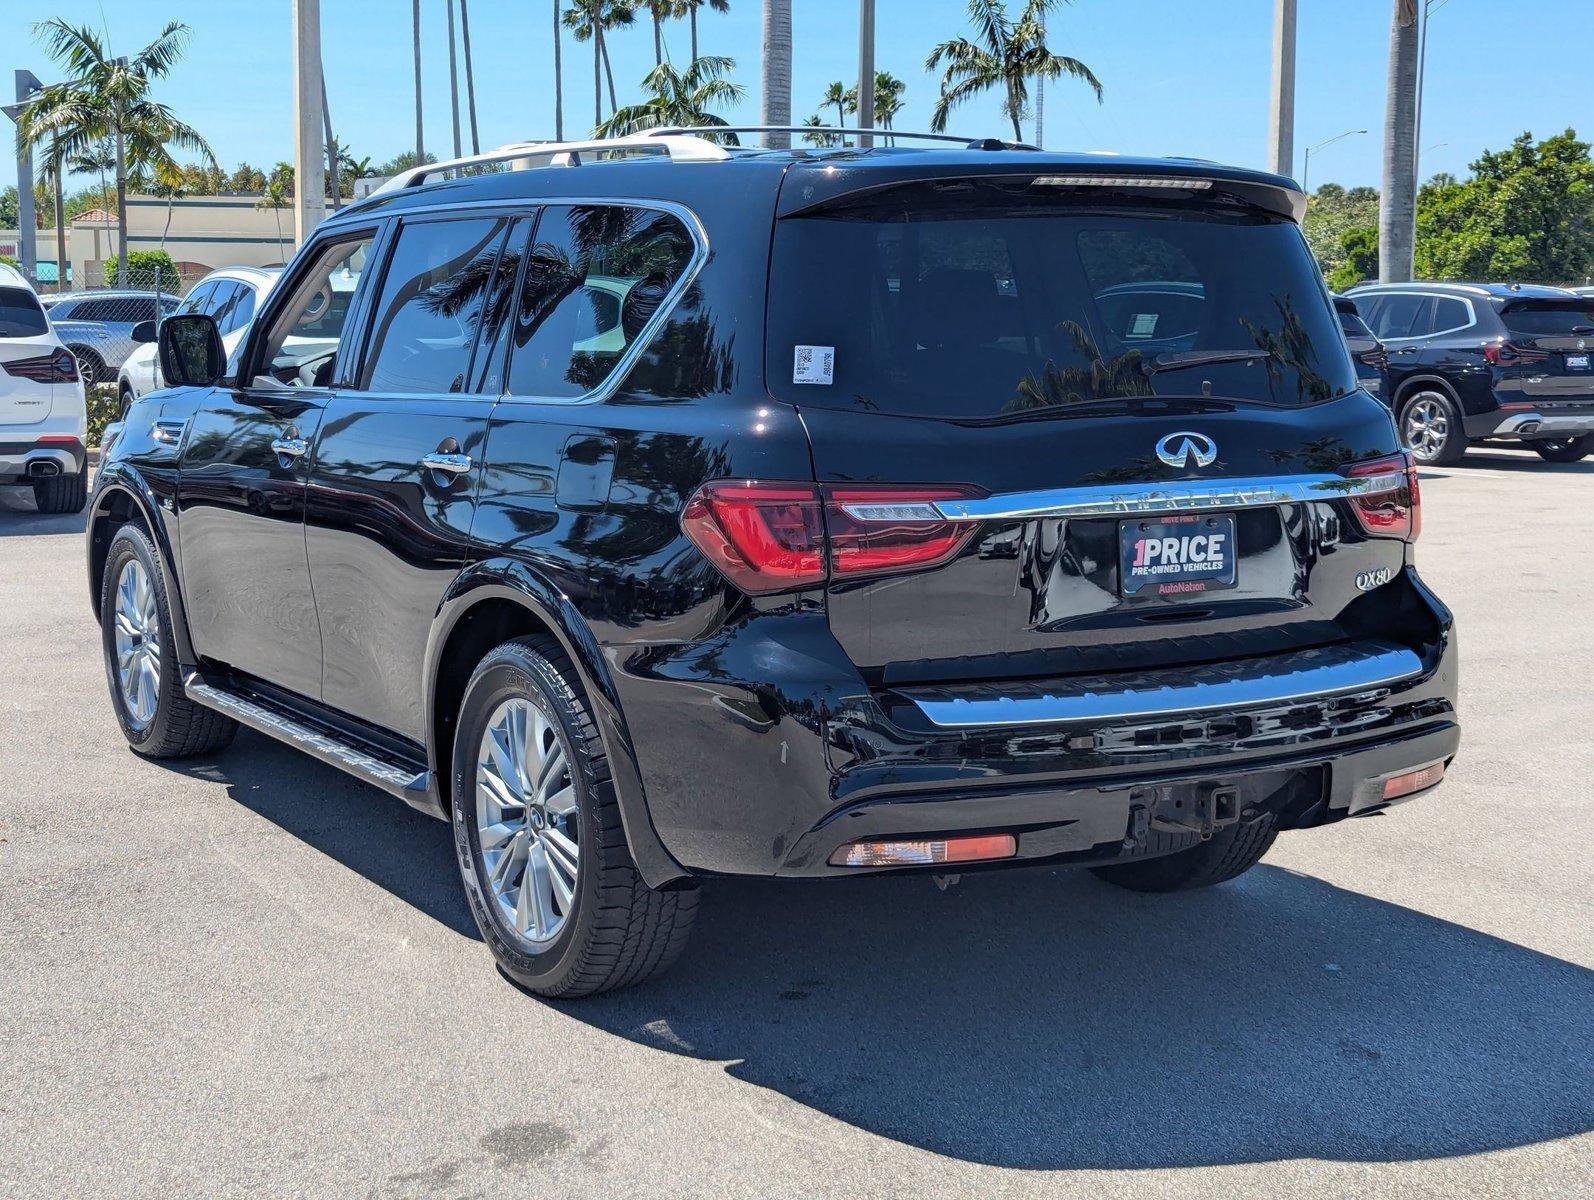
(595, 276)
(989, 300)
(1450, 313)
(1402, 315)
(431, 305)
(20, 314)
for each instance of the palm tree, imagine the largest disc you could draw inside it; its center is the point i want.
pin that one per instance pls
(118, 91)
(775, 108)
(277, 196)
(470, 76)
(60, 119)
(1397, 204)
(589, 19)
(888, 91)
(817, 138)
(679, 98)
(1007, 56)
(558, 79)
(689, 8)
(660, 11)
(836, 94)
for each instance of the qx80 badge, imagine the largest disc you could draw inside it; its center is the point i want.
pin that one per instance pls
(1182, 448)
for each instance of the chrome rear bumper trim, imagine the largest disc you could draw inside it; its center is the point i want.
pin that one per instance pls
(1183, 495)
(1299, 675)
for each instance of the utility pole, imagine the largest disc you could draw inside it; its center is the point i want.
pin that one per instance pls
(453, 78)
(1397, 202)
(309, 175)
(27, 220)
(1040, 95)
(1281, 108)
(420, 138)
(865, 70)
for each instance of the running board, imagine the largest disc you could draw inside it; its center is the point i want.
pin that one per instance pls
(417, 789)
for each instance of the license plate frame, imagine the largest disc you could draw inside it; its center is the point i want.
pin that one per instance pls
(1150, 568)
(1577, 362)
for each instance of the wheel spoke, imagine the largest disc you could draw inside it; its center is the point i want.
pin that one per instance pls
(496, 791)
(562, 852)
(537, 880)
(494, 836)
(552, 770)
(563, 802)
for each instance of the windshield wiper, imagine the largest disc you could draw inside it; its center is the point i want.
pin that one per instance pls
(1179, 360)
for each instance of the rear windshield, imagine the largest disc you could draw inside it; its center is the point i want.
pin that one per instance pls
(1004, 302)
(20, 314)
(1549, 318)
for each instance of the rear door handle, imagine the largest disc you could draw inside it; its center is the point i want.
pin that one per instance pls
(453, 464)
(291, 447)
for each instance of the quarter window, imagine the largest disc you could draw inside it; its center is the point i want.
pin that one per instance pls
(432, 300)
(1449, 313)
(595, 276)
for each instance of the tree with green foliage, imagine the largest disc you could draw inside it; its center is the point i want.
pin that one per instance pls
(679, 98)
(1358, 249)
(10, 207)
(1527, 212)
(145, 269)
(1331, 211)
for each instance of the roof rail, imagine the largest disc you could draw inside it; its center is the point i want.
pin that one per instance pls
(678, 147)
(844, 130)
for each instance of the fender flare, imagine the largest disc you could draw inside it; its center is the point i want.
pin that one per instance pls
(509, 579)
(1418, 382)
(118, 478)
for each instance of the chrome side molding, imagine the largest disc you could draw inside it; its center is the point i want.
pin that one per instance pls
(1299, 675)
(1182, 495)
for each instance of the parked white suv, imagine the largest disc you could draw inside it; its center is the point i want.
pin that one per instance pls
(43, 418)
(231, 295)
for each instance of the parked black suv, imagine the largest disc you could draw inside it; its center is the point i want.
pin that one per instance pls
(1469, 361)
(657, 510)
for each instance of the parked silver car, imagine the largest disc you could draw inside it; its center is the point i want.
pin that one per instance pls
(97, 326)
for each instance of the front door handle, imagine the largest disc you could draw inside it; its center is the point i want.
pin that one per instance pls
(291, 447)
(452, 464)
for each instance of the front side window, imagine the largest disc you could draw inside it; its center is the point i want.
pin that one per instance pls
(300, 349)
(197, 300)
(998, 298)
(594, 277)
(433, 295)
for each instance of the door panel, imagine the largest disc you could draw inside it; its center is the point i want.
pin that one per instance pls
(246, 580)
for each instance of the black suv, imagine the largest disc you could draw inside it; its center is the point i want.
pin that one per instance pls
(1469, 361)
(655, 510)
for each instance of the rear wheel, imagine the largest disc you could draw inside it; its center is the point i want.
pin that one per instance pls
(156, 715)
(1227, 853)
(89, 365)
(1565, 450)
(1430, 427)
(61, 493)
(537, 833)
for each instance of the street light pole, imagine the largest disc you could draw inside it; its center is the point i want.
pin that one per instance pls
(1306, 169)
(309, 165)
(27, 220)
(1281, 111)
(865, 70)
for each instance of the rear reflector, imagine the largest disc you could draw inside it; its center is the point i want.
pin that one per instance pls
(977, 848)
(1413, 781)
(779, 537)
(1393, 508)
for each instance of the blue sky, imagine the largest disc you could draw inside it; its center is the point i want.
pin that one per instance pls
(1181, 77)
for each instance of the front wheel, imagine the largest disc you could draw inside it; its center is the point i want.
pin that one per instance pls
(1430, 427)
(1228, 852)
(1565, 450)
(538, 837)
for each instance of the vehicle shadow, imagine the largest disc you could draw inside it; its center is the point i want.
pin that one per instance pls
(20, 517)
(1040, 1019)
(376, 835)
(1522, 460)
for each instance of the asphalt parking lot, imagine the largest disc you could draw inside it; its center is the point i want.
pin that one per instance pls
(251, 975)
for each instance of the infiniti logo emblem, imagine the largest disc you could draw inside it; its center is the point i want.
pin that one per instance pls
(1179, 449)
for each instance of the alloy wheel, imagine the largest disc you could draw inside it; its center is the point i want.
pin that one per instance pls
(138, 648)
(1426, 426)
(527, 821)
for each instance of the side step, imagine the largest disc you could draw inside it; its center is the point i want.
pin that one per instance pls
(416, 788)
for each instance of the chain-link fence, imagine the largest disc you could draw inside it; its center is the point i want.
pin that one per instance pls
(96, 320)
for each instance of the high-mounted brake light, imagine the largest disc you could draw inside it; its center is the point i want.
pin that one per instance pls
(1122, 181)
(779, 537)
(59, 367)
(1392, 505)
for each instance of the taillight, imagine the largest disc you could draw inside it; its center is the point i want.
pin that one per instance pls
(1501, 353)
(782, 537)
(1374, 358)
(1392, 504)
(59, 367)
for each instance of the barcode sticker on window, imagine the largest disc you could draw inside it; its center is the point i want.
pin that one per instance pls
(814, 364)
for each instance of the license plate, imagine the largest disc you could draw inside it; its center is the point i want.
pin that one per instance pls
(1577, 362)
(1176, 556)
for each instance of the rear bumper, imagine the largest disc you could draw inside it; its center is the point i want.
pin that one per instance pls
(776, 751)
(1534, 425)
(22, 459)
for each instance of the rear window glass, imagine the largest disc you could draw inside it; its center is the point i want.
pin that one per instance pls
(20, 314)
(989, 305)
(1550, 318)
(1351, 324)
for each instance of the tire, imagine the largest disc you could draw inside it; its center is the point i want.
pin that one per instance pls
(157, 718)
(62, 493)
(1565, 450)
(1430, 427)
(89, 365)
(1229, 852)
(610, 929)
(124, 401)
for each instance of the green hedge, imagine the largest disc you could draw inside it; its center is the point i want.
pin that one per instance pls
(104, 406)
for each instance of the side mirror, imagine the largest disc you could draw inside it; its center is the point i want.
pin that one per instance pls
(144, 332)
(191, 353)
